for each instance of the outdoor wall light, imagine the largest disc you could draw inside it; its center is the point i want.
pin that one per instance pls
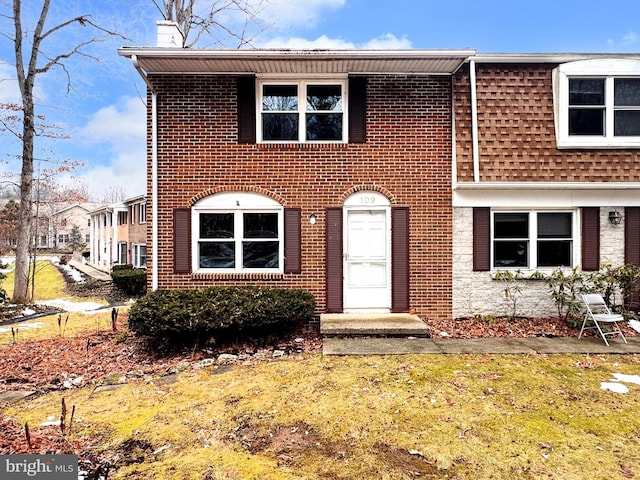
(615, 217)
(312, 219)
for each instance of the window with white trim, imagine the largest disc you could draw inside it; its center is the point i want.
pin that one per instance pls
(301, 111)
(238, 232)
(597, 104)
(122, 253)
(139, 255)
(533, 239)
(142, 211)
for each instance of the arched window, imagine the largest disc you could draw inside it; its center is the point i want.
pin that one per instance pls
(237, 232)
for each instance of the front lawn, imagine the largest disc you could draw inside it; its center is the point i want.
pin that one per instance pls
(390, 417)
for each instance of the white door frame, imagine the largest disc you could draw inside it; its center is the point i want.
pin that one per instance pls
(367, 299)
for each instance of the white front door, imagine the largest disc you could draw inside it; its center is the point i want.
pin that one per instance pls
(367, 284)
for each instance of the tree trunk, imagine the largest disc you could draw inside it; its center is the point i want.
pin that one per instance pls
(21, 284)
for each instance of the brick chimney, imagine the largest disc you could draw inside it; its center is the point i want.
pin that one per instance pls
(169, 34)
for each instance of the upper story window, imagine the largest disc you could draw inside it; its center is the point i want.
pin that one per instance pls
(142, 211)
(533, 239)
(303, 111)
(122, 218)
(597, 104)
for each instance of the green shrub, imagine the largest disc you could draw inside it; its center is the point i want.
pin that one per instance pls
(121, 266)
(200, 314)
(131, 281)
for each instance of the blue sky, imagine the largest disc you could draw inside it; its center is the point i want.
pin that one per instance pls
(104, 115)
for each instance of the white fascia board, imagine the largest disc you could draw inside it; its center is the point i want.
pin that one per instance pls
(546, 195)
(548, 57)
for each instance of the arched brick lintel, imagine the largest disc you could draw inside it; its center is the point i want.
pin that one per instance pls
(227, 188)
(368, 187)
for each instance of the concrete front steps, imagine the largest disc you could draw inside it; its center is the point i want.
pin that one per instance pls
(372, 324)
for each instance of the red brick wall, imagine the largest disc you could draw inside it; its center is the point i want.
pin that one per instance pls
(407, 156)
(517, 135)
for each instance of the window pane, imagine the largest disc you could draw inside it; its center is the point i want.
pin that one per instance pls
(280, 126)
(260, 254)
(281, 98)
(510, 254)
(324, 97)
(216, 225)
(586, 91)
(626, 123)
(626, 92)
(511, 225)
(554, 253)
(260, 225)
(554, 225)
(586, 121)
(326, 126)
(217, 254)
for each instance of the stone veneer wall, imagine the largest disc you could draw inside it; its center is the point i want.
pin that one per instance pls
(476, 293)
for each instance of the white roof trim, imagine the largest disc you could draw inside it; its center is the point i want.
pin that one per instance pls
(154, 60)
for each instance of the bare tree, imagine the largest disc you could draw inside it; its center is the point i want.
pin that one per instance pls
(33, 59)
(195, 22)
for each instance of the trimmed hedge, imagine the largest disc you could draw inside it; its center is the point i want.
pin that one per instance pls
(185, 315)
(129, 280)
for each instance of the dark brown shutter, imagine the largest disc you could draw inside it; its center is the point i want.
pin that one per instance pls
(590, 239)
(632, 248)
(246, 109)
(334, 260)
(182, 240)
(632, 235)
(399, 259)
(292, 240)
(357, 109)
(481, 239)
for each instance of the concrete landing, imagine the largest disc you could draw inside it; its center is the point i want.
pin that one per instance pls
(372, 324)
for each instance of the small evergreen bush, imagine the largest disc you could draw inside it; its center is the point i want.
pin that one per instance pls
(218, 312)
(129, 280)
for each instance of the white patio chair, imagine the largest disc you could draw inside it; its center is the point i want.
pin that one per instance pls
(598, 313)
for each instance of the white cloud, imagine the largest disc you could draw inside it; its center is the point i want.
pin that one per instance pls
(9, 91)
(384, 42)
(289, 13)
(118, 124)
(630, 38)
(388, 41)
(118, 132)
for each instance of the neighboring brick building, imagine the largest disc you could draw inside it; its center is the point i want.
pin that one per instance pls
(360, 175)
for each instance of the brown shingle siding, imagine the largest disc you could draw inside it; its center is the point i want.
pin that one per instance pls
(516, 131)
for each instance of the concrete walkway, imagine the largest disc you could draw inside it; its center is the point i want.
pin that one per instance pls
(91, 271)
(411, 345)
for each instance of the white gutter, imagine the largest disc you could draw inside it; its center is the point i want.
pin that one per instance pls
(474, 121)
(154, 175)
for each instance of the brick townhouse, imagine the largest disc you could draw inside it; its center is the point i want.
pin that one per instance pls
(380, 181)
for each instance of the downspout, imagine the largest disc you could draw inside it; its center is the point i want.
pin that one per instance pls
(154, 175)
(474, 121)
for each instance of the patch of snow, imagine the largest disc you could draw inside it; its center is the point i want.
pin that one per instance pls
(444, 334)
(23, 326)
(614, 387)
(621, 377)
(635, 324)
(69, 270)
(67, 306)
